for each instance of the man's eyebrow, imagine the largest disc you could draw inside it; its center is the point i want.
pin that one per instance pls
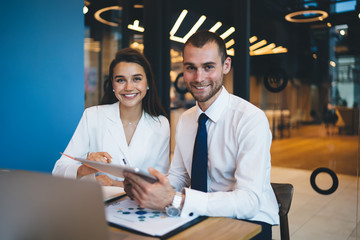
(208, 63)
(202, 64)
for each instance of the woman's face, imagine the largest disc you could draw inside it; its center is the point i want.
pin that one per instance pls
(130, 84)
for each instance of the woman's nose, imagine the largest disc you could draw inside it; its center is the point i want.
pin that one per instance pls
(129, 86)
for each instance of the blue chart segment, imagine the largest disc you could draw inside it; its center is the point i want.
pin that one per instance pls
(138, 213)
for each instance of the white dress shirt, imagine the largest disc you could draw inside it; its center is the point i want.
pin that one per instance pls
(100, 130)
(239, 161)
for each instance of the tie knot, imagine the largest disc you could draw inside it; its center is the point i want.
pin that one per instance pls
(202, 119)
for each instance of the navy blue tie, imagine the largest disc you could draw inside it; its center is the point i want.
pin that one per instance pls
(200, 157)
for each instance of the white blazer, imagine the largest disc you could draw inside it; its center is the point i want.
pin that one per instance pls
(100, 130)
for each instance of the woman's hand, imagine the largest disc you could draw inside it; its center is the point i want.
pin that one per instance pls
(99, 157)
(104, 180)
(84, 170)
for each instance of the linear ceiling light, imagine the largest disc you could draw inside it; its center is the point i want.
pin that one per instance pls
(257, 45)
(215, 27)
(229, 43)
(178, 22)
(227, 33)
(254, 49)
(253, 39)
(195, 27)
(264, 49)
(279, 49)
(100, 11)
(136, 26)
(230, 52)
(191, 32)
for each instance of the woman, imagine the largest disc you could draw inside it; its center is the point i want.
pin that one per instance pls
(130, 128)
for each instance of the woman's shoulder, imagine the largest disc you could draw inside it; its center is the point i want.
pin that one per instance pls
(102, 108)
(159, 122)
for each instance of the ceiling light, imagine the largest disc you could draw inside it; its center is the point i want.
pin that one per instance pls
(215, 27)
(342, 32)
(253, 39)
(264, 49)
(227, 33)
(178, 22)
(254, 49)
(136, 26)
(195, 27)
(138, 6)
(279, 49)
(290, 17)
(332, 63)
(100, 11)
(257, 45)
(229, 43)
(314, 56)
(230, 52)
(329, 24)
(85, 9)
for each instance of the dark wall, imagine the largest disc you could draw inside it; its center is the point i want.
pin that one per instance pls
(42, 80)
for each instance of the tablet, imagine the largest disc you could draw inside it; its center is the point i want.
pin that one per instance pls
(115, 170)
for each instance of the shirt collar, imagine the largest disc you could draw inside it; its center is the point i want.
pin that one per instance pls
(215, 109)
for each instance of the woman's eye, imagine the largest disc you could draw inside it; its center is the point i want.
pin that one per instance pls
(137, 79)
(119, 80)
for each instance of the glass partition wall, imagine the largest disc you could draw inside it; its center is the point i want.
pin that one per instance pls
(310, 95)
(304, 74)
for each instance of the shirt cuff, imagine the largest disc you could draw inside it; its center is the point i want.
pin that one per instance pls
(195, 203)
(71, 171)
(90, 177)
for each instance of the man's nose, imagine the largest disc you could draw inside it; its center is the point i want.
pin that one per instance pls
(198, 76)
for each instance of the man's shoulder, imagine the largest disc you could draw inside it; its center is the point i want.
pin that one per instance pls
(239, 104)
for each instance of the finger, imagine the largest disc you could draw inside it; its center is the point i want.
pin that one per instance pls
(136, 179)
(107, 156)
(98, 157)
(137, 196)
(161, 177)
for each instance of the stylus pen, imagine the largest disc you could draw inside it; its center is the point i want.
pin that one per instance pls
(124, 161)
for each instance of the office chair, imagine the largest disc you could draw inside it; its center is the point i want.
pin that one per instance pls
(283, 193)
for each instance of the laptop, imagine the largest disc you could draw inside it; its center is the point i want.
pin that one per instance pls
(36, 206)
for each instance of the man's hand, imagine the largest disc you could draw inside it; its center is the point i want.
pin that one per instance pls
(151, 195)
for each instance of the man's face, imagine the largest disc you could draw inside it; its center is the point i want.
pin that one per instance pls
(203, 72)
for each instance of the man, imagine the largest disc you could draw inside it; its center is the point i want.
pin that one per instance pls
(237, 179)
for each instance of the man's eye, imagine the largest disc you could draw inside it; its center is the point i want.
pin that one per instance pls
(209, 67)
(190, 68)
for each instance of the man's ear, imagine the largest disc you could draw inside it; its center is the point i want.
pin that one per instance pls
(227, 65)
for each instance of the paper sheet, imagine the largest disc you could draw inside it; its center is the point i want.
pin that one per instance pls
(110, 192)
(125, 212)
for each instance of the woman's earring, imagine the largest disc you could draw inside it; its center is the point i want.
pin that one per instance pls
(147, 88)
(113, 90)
